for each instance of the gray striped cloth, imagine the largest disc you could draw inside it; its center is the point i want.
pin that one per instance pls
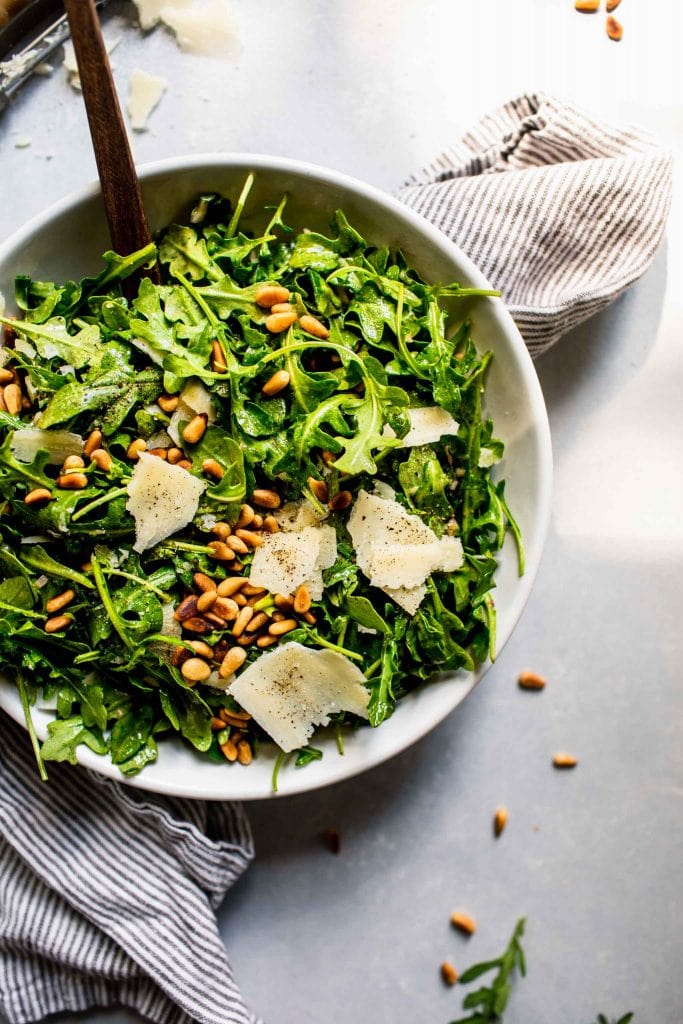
(558, 210)
(108, 895)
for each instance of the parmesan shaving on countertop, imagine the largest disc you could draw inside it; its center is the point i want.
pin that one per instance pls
(292, 689)
(396, 551)
(206, 28)
(162, 499)
(145, 93)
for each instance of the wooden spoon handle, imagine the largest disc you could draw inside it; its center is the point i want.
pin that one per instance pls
(120, 186)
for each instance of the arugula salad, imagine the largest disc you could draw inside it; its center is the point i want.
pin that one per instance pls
(248, 501)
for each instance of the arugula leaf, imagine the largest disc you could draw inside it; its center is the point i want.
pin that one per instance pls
(490, 1001)
(52, 340)
(65, 735)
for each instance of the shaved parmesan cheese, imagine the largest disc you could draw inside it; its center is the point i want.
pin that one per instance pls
(487, 458)
(58, 444)
(162, 499)
(149, 12)
(285, 560)
(145, 93)
(427, 426)
(397, 551)
(295, 515)
(195, 400)
(292, 689)
(207, 29)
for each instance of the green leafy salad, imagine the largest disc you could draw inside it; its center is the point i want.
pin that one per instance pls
(246, 502)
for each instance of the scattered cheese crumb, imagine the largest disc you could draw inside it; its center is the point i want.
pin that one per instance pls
(292, 689)
(206, 28)
(145, 93)
(162, 499)
(23, 142)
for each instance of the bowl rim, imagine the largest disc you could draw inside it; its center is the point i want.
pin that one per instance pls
(305, 782)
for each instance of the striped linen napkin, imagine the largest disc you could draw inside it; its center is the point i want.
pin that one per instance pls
(108, 895)
(558, 210)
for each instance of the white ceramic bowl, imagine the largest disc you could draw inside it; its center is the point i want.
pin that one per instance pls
(67, 242)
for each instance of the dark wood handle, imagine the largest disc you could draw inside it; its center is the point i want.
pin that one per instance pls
(120, 186)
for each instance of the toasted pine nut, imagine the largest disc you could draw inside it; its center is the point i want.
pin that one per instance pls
(220, 551)
(38, 495)
(302, 599)
(217, 724)
(250, 590)
(448, 973)
(226, 588)
(229, 750)
(184, 464)
(218, 364)
(204, 582)
(206, 600)
(282, 307)
(195, 429)
(278, 616)
(72, 481)
(213, 468)
(195, 624)
(266, 640)
(233, 660)
(246, 640)
(55, 604)
(226, 608)
(159, 453)
(72, 462)
(284, 601)
(242, 620)
(327, 457)
(587, 6)
(135, 447)
(500, 820)
(565, 761)
(3, 404)
(194, 670)
(6, 376)
(246, 516)
(240, 599)
(270, 524)
(237, 545)
(266, 498)
(168, 403)
(258, 521)
(340, 501)
(217, 621)
(102, 459)
(202, 649)
(174, 455)
(615, 31)
(93, 442)
(250, 538)
(255, 624)
(310, 618)
(530, 680)
(612, 5)
(319, 489)
(280, 628)
(276, 323)
(463, 922)
(13, 397)
(269, 294)
(244, 753)
(310, 325)
(221, 530)
(187, 608)
(59, 623)
(275, 384)
(228, 715)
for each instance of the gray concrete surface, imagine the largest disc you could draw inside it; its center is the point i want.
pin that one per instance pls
(593, 858)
